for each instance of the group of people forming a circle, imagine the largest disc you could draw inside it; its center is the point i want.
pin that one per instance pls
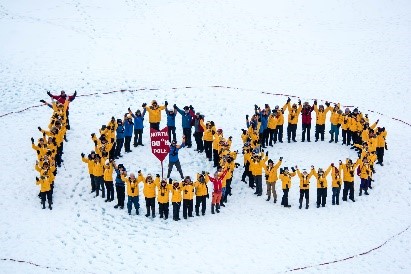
(264, 128)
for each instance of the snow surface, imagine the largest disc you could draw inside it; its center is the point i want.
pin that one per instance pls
(354, 52)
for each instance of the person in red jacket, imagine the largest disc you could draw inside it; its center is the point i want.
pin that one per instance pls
(217, 191)
(306, 120)
(62, 99)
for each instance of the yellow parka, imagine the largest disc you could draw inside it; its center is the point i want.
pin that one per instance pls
(201, 188)
(163, 196)
(304, 180)
(320, 115)
(90, 164)
(108, 172)
(44, 182)
(293, 114)
(272, 172)
(348, 171)
(154, 114)
(188, 191)
(176, 195)
(286, 180)
(322, 180)
(132, 186)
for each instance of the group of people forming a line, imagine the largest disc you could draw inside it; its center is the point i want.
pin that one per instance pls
(265, 128)
(108, 145)
(49, 147)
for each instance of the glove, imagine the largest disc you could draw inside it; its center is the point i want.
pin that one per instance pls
(139, 171)
(266, 153)
(144, 105)
(281, 158)
(266, 177)
(112, 140)
(166, 103)
(208, 196)
(75, 93)
(42, 101)
(191, 107)
(315, 102)
(203, 172)
(170, 181)
(332, 164)
(339, 184)
(158, 175)
(32, 140)
(246, 117)
(174, 106)
(288, 99)
(255, 107)
(127, 109)
(293, 169)
(338, 125)
(231, 137)
(39, 128)
(305, 185)
(327, 104)
(49, 94)
(37, 178)
(386, 146)
(244, 131)
(213, 132)
(299, 102)
(93, 134)
(82, 154)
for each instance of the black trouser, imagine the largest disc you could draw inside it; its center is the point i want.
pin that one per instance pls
(138, 137)
(336, 195)
(246, 171)
(251, 180)
(119, 146)
(67, 120)
(306, 129)
(272, 137)
(112, 152)
(99, 182)
(279, 130)
(321, 196)
(93, 185)
(187, 134)
(208, 147)
(266, 135)
(348, 187)
(163, 209)
(150, 203)
(127, 142)
(121, 195)
(155, 125)
(228, 187)
(355, 137)
(306, 193)
(176, 210)
(170, 167)
(380, 154)
(59, 154)
(344, 135)
(110, 190)
(319, 130)
(198, 137)
(49, 196)
(261, 139)
(216, 158)
(258, 179)
(349, 137)
(201, 200)
(291, 131)
(284, 200)
(187, 208)
(171, 131)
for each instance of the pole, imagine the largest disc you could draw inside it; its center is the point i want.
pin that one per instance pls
(162, 172)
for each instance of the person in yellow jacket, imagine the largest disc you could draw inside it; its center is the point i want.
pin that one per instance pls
(257, 165)
(90, 164)
(285, 177)
(381, 136)
(336, 184)
(40, 148)
(335, 119)
(347, 170)
(132, 191)
(188, 197)
(272, 125)
(163, 200)
(149, 191)
(293, 114)
(218, 137)
(154, 113)
(345, 127)
(247, 152)
(98, 172)
(176, 198)
(279, 115)
(321, 114)
(201, 192)
(364, 171)
(271, 178)
(208, 138)
(321, 185)
(45, 190)
(304, 186)
(108, 179)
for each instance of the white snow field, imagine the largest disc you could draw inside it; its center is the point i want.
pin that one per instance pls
(353, 52)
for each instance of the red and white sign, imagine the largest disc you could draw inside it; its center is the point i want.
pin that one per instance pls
(159, 143)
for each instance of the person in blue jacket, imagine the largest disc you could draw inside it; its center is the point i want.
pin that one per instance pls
(171, 123)
(173, 157)
(120, 186)
(128, 132)
(119, 138)
(187, 116)
(138, 126)
(263, 134)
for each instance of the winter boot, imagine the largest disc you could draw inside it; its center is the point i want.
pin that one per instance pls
(212, 209)
(148, 211)
(116, 206)
(269, 197)
(197, 211)
(217, 208)
(137, 213)
(44, 204)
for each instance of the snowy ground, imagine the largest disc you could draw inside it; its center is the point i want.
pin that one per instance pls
(348, 51)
